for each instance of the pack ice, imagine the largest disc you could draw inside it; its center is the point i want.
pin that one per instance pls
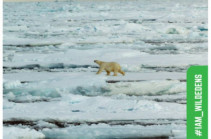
(50, 86)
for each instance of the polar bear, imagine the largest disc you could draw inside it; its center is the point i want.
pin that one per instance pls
(109, 67)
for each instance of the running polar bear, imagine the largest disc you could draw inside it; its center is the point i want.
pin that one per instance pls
(109, 67)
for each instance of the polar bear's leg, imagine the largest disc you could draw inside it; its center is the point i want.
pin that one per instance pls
(115, 72)
(122, 72)
(100, 70)
(108, 72)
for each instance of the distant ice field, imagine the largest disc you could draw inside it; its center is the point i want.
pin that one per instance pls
(51, 89)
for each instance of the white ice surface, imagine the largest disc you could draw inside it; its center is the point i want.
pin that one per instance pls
(40, 85)
(129, 59)
(40, 76)
(21, 133)
(144, 36)
(105, 131)
(97, 131)
(82, 108)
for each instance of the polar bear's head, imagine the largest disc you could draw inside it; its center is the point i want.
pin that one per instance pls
(98, 62)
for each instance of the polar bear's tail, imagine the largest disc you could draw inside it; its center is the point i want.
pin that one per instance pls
(122, 72)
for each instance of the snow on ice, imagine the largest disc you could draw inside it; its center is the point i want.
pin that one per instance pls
(50, 86)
